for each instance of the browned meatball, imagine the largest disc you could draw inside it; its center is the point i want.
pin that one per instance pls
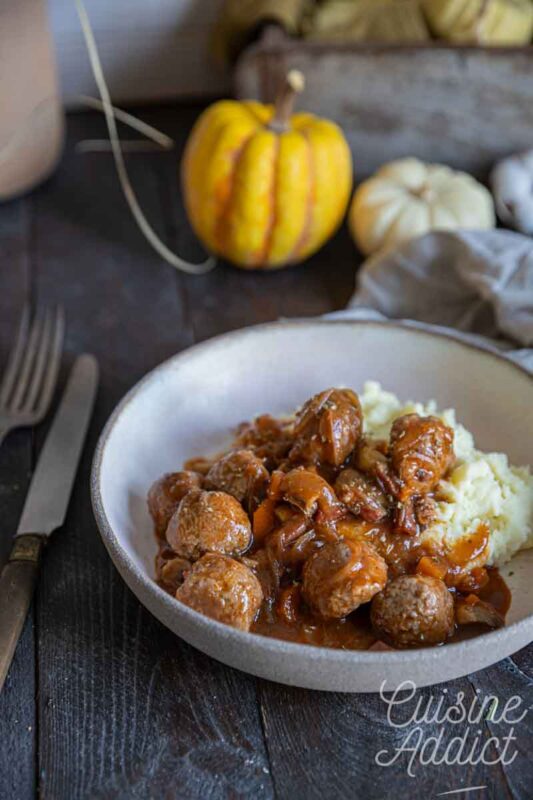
(240, 474)
(209, 522)
(223, 589)
(327, 427)
(413, 610)
(421, 450)
(165, 495)
(341, 576)
(361, 495)
(308, 491)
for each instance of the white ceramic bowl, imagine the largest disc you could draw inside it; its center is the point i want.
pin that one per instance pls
(190, 404)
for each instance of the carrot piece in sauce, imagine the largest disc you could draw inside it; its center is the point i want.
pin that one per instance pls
(432, 566)
(264, 519)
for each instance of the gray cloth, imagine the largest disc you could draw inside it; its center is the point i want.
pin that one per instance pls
(479, 284)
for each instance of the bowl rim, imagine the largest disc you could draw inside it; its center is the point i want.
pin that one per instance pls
(313, 653)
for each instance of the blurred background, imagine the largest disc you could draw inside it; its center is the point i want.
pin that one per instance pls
(152, 49)
(442, 81)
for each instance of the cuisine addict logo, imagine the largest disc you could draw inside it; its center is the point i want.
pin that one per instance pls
(449, 730)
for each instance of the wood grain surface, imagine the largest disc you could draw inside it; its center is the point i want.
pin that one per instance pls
(102, 701)
(18, 717)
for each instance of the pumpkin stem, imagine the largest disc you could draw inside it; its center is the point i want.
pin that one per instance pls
(293, 84)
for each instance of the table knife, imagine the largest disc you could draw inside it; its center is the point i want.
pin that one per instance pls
(46, 504)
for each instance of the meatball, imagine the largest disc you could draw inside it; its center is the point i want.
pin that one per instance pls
(223, 589)
(341, 576)
(361, 495)
(421, 450)
(413, 610)
(240, 473)
(165, 495)
(209, 522)
(327, 427)
(309, 492)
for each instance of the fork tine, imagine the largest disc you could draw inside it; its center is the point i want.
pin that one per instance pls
(30, 352)
(40, 362)
(53, 362)
(15, 357)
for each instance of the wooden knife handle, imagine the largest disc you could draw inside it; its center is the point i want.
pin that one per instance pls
(17, 582)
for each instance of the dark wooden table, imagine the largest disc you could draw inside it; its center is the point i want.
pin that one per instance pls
(101, 700)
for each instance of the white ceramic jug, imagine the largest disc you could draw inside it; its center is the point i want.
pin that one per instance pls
(31, 115)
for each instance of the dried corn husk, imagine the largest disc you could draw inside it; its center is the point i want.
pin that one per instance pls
(489, 22)
(367, 20)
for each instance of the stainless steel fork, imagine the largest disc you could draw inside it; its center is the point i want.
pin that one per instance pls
(32, 368)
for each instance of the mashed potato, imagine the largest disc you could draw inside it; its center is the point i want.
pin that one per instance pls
(481, 487)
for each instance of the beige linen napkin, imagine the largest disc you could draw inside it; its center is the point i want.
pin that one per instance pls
(477, 286)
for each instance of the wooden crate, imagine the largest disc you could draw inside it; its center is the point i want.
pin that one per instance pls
(463, 106)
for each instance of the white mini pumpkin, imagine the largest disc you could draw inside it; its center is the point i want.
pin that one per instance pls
(512, 186)
(408, 198)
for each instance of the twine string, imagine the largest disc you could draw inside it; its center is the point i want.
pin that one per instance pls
(146, 229)
(164, 141)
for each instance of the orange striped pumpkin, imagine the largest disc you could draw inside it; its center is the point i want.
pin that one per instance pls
(264, 188)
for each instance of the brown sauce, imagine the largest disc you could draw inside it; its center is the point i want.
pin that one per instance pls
(284, 539)
(350, 633)
(354, 632)
(496, 592)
